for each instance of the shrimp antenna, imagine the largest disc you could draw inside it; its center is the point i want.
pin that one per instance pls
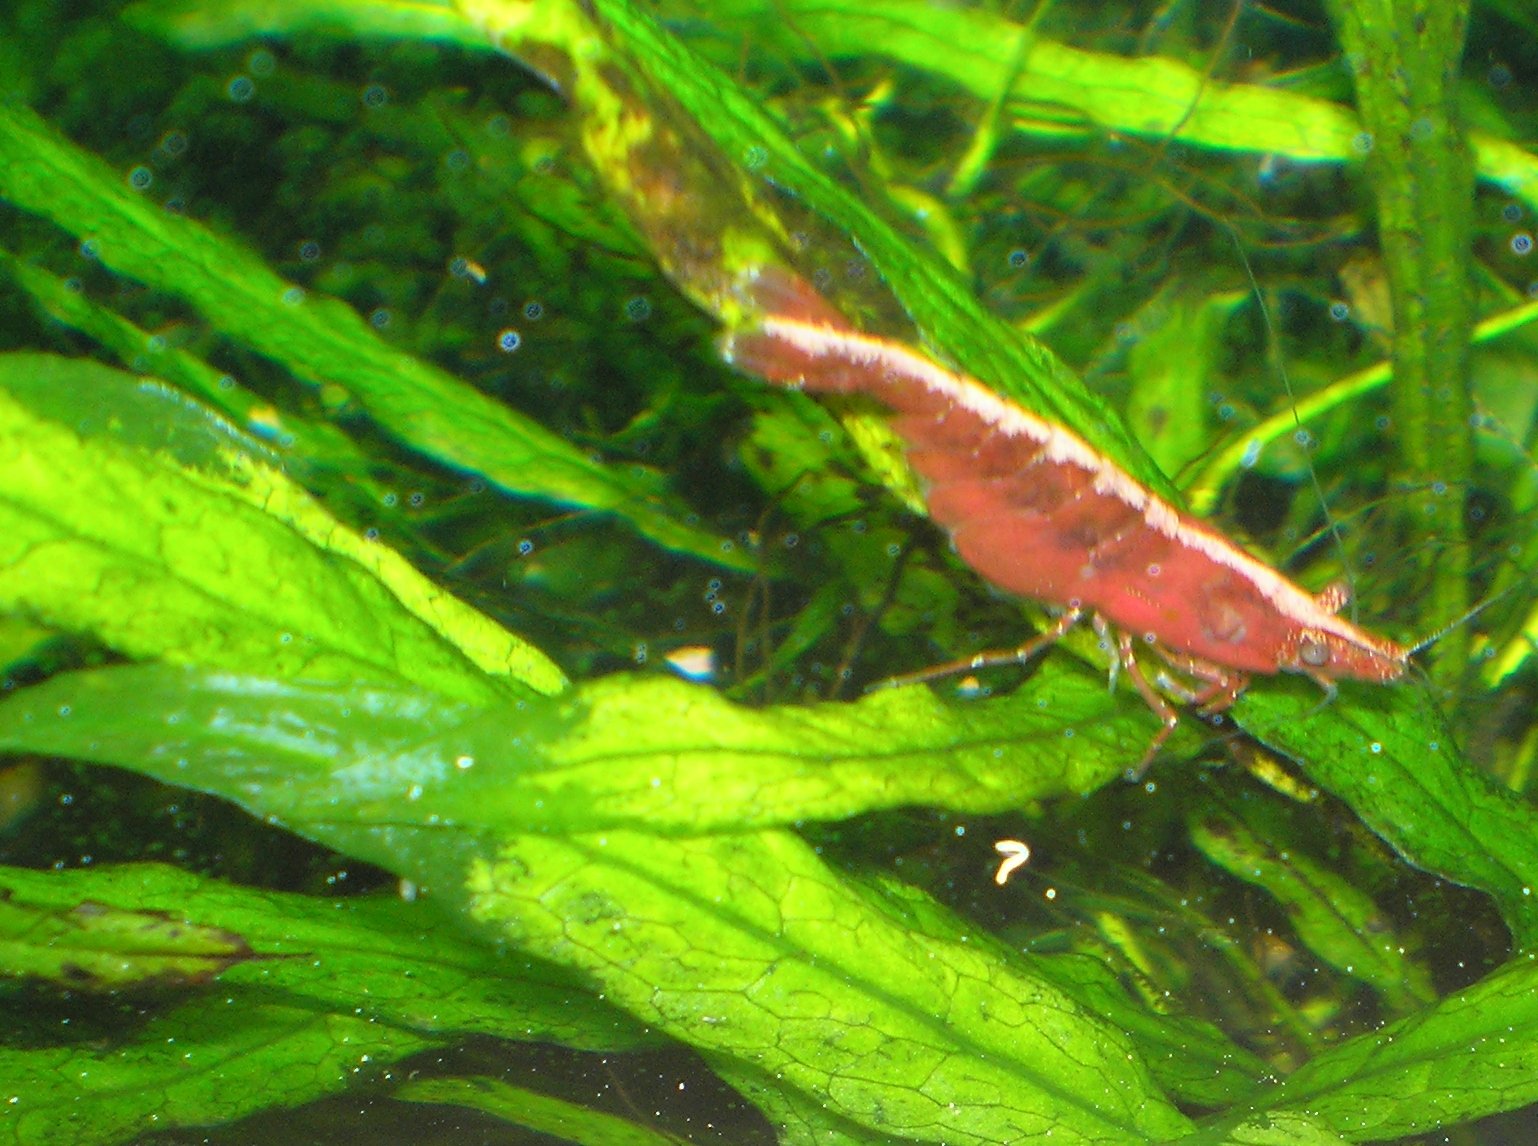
(1426, 643)
(1274, 350)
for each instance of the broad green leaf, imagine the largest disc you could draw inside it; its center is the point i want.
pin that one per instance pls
(652, 752)
(1284, 1128)
(1191, 1060)
(534, 1111)
(208, 1061)
(176, 538)
(400, 963)
(648, 741)
(1389, 754)
(1473, 1054)
(94, 946)
(749, 946)
(322, 340)
(799, 1119)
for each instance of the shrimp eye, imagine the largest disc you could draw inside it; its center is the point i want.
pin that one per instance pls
(1313, 652)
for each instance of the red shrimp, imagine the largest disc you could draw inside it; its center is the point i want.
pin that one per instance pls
(1038, 512)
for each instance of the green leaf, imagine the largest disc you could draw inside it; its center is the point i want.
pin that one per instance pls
(650, 752)
(92, 946)
(1390, 755)
(176, 538)
(749, 946)
(1177, 343)
(1338, 922)
(398, 962)
(209, 1061)
(1474, 1053)
(534, 1111)
(322, 340)
(316, 442)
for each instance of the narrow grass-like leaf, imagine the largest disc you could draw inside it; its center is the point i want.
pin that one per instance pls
(1062, 91)
(1337, 921)
(322, 340)
(176, 539)
(662, 78)
(316, 442)
(534, 1111)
